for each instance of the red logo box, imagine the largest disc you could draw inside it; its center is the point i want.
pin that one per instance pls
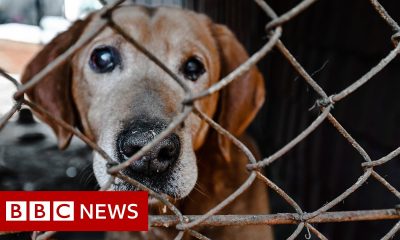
(73, 211)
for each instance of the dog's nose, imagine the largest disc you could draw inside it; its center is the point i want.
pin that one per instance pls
(155, 161)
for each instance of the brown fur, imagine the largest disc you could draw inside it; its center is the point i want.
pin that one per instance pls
(68, 93)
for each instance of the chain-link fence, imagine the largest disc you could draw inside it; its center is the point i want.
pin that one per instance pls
(186, 224)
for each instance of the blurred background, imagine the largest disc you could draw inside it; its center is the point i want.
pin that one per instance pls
(336, 40)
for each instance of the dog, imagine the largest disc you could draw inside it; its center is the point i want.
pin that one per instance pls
(121, 100)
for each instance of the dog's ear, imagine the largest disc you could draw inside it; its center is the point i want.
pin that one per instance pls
(53, 93)
(242, 98)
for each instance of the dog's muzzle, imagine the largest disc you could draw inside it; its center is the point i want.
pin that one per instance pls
(156, 161)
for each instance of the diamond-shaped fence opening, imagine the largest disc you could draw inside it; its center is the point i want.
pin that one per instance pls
(324, 103)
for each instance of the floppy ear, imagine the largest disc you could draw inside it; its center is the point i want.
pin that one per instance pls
(53, 93)
(242, 98)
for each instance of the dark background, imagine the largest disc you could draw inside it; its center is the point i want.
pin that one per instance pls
(338, 41)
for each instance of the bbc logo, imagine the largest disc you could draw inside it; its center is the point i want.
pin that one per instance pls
(39, 211)
(73, 211)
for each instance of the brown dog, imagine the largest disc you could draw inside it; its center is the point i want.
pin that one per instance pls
(121, 100)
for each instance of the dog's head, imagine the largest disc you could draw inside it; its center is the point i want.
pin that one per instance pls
(121, 100)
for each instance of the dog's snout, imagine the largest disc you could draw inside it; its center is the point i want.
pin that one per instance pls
(155, 161)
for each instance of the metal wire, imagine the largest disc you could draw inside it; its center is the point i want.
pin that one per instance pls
(186, 224)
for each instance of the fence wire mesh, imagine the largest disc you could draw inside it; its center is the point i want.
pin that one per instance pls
(185, 224)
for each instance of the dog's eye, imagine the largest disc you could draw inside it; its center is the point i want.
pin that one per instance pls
(193, 68)
(104, 59)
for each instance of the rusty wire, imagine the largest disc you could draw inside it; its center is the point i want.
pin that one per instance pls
(185, 224)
